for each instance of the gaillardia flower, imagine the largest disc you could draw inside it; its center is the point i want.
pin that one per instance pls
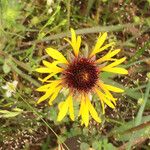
(80, 76)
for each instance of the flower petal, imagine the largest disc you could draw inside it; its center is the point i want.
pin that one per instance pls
(44, 87)
(68, 41)
(85, 113)
(93, 111)
(103, 98)
(107, 93)
(78, 44)
(109, 55)
(49, 76)
(46, 95)
(47, 86)
(99, 43)
(55, 94)
(71, 110)
(63, 109)
(115, 70)
(117, 62)
(50, 89)
(75, 42)
(50, 65)
(106, 46)
(73, 36)
(113, 88)
(43, 70)
(55, 54)
(5, 87)
(103, 106)
(8, 94)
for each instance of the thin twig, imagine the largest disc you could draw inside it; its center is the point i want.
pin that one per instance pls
(68, 13)
(135, 142)
(23, 75)
(86, 31)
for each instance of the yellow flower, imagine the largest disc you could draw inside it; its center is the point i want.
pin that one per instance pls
(81, 77)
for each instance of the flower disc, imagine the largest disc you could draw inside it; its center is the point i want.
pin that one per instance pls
(81, 75)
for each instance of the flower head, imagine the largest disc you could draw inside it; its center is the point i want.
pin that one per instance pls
(10, 88)
(81, 77)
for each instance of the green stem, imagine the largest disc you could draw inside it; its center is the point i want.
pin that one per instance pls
(87, 31)
(23, 75)
(68, 12)
(140, 113)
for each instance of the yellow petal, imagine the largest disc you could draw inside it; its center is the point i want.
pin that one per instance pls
(103, 106)
(50, 65)
(107, 101)
(103, 98)
(49, 89)
(72, 44)
(78, 44)
(68, 41)
(117, 62)
(108, 56)
(49, 76)
(113, 88)
(85, 113)
(73, 36)
(55, 54)
(93, 111)
(45, 96)
(106, 46)
(63, 110)
(75, 42)
(71, 110)
(110, 97)
(78, 41)
(43, 88)
(53, 84)
(43, 70)
(115, 70)
(107, 93)
(55, 94)
(60, 105)
(82, 122)
(99, 43)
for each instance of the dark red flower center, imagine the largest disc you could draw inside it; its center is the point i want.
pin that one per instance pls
(81, 74)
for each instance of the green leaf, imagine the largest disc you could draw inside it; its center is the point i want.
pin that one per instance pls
(139, 52)
(8, 114)
(52, 114)
(127, 126)
(51, 19)
(107, 146)
(144, 132)
(141, 110)
(84, 146)
(90, 5)
(97, 145)
(61, 139)
(6, 68)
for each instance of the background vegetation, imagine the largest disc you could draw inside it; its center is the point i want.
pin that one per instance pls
(27, 27)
